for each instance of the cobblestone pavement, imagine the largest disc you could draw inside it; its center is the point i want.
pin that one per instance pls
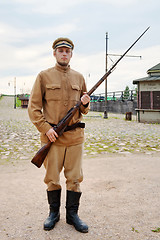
(116, 135)
(121, 188)
(19, 139)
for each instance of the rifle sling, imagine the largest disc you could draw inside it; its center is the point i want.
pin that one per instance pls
(72, 127)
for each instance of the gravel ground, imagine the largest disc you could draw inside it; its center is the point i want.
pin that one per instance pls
(121, 188)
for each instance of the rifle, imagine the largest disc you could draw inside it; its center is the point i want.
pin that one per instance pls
(38, 159)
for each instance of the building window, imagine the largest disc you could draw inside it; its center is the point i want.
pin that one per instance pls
(156, 100)
(145, 100)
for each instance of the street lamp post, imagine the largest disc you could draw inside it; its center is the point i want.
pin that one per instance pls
(14, 84)
(15, 92)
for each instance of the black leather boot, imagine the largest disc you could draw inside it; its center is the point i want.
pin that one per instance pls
(54, 215)
(72, 205)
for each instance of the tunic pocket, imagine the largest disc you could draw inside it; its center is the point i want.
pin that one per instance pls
(53, 92)
(76, 91)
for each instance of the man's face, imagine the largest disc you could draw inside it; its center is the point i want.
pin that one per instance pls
(63, 55)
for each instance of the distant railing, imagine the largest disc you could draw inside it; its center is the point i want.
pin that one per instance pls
(131, 95)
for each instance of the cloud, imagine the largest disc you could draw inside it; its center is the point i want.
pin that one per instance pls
(72, 2)
(28, 27)
(19, 51)
(25, 59)
(54, 7)
(9, 33)
(35, 58)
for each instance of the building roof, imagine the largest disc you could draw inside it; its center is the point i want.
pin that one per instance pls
(153, 75)
(152, 78)
(156, 68)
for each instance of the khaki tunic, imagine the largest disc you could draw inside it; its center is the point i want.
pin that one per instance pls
(55, 91)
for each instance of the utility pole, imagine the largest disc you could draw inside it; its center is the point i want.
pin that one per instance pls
(105, 107)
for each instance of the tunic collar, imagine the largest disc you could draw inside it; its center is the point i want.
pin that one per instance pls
(62, 68)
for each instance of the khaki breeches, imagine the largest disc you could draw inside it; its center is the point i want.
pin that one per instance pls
(71, 159)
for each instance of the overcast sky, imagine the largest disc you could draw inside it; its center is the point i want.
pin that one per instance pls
(29, 27)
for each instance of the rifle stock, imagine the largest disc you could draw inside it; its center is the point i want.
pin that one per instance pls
(38, 159)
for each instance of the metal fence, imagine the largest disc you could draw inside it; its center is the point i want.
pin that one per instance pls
(130, 95)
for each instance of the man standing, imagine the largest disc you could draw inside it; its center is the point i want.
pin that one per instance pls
(55, 91)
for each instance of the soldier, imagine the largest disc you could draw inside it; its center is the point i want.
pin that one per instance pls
(55, 91)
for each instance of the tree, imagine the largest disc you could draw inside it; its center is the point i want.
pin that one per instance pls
(126, 94)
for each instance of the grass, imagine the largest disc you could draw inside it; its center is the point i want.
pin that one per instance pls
(157, 230)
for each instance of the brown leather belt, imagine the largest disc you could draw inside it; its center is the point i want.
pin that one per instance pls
(72, 127)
